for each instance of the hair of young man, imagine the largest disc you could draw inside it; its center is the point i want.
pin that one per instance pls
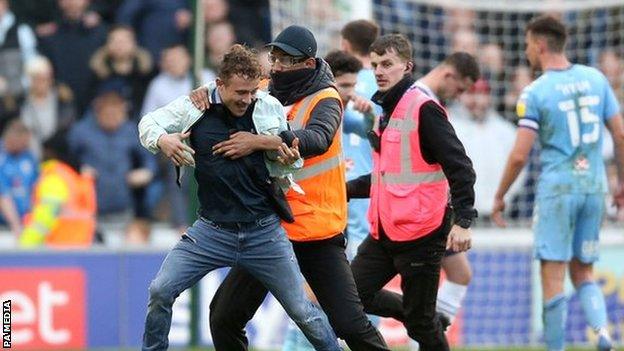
(360, 34)
(550, 28)
(241, 61)
(393, 42)
(341, 63)
(465, 64)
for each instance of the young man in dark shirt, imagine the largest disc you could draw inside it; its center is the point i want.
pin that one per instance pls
(305, 84)
(237, 225)
(418, 159)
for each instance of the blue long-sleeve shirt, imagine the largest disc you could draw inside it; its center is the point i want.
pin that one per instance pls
(112, 155)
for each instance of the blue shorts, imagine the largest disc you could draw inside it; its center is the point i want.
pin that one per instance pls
(568, 226)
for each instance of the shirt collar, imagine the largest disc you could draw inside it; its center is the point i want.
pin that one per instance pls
(216, 98)
(425, 89)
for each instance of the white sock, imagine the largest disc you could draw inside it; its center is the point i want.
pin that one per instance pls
(603, 332)
(450, 298)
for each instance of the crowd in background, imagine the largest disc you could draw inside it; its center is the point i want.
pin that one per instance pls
(88, 70)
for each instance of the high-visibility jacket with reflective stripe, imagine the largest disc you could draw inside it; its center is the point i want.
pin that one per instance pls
(74, 195)
(322, 212)
(408, 195)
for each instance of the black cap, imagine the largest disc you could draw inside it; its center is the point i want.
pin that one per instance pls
(296, 41)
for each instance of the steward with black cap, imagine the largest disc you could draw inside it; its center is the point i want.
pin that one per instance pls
(304, 84)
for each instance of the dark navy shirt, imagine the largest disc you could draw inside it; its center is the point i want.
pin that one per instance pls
(227, 192)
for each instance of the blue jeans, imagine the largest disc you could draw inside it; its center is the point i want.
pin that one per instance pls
(261, 248)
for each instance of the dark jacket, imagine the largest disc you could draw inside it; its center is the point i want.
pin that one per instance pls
(70, 49)
(132, 85)
(154, 23)
(438, 144)
(326, 116)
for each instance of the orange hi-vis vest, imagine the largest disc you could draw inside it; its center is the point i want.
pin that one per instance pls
(408, 195)
(322, 212)
(75, 224)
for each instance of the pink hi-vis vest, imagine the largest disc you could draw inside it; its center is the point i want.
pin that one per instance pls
(408, 195)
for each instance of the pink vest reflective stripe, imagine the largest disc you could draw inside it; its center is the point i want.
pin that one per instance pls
(408, 195)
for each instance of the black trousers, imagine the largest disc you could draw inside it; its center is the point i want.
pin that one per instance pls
(327, 271)
(418, 263)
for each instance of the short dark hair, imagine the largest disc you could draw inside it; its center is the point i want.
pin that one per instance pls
(550, 28)
(240, 60)
(341, 63)
(465, 64)
(360, 34)
(396, 42)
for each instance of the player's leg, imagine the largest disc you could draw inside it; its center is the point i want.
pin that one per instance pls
(453, 290)
(201, 249)
(581, 267)
(555, 304)
(553, 223)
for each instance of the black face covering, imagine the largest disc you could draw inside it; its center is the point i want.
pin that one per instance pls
(284, 84)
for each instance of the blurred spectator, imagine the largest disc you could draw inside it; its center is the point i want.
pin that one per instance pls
(48, 107)
(106, 9)
(480, 127)
(522, 77)
(17, 46)
(491, 59)
(158, 23)
(465, 40)
(263, 57)
(18, 174)
(40, 14)
(175, 78)
(70, 48)
(43, 14)
(215, 11)
(108, 147)
(492, 64)
(122, 65)
(610, 64)
(219, 38)
(251, 20)
(64, 210)
(459, 19)
(423, 24)
(173, 81)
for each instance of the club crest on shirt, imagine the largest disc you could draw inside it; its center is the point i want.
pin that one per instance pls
(581, 164)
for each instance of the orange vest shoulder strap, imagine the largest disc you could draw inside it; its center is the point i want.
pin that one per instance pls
(303, 107)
